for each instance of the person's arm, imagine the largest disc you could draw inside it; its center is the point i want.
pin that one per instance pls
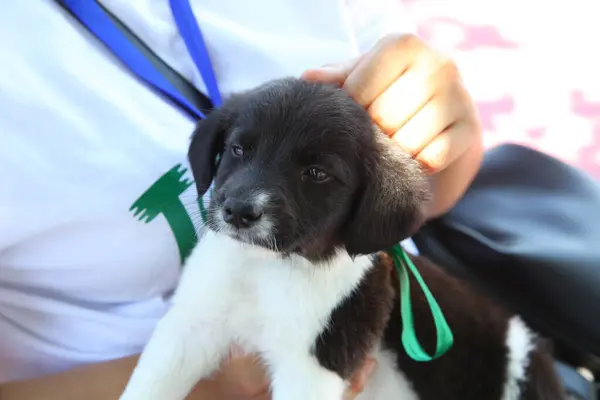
(243, 378)
(93, 382)
(103, 381)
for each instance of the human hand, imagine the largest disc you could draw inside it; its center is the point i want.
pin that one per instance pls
(359, 379)
(415, 94)
(243, 377)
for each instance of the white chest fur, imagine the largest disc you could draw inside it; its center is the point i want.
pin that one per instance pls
(233, 292)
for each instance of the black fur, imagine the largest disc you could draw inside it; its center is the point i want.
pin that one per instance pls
(272, 139)
(357, 324)
(542, 383)
(473, 369)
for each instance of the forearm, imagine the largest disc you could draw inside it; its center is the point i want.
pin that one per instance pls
(449, 185)
(93, 382)
(104, 381)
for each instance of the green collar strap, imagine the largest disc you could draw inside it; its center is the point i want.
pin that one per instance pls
(413, 348)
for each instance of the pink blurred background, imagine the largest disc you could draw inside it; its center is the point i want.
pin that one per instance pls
(532, 67)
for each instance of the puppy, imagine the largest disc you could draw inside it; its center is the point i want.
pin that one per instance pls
(306, 193)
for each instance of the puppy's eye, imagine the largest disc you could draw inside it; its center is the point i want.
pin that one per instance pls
(237, 150)
(317, 175)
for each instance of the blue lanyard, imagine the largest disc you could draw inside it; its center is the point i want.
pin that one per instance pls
(91, 14)
(194, 41)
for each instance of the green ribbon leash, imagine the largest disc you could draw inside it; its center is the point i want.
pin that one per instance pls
(411, 344)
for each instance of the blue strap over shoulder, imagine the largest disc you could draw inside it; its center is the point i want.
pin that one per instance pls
(95, 18)
(196, 46)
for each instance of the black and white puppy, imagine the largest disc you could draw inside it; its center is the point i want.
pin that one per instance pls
(306, 193)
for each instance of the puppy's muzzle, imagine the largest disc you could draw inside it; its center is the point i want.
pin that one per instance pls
(241, 214)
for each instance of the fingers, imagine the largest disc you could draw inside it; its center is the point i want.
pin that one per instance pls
(380, 67)
(436, 115)
(359, 379)
(446, 148)
(403, 99)
(365, 77)
(415, 94)
(410, 91)
(242, 376)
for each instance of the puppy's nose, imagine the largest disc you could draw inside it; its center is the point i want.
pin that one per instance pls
(240, 214)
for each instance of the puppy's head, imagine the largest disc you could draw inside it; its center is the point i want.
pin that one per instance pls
(298, 167)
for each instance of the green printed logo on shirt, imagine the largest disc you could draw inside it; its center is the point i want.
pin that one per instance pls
(163, 198)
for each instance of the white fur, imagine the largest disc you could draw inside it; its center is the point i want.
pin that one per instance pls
(264, 227)
(520, 343)
(231, 292)
(387, 382)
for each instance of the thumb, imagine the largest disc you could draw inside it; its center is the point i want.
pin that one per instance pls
(333, 73)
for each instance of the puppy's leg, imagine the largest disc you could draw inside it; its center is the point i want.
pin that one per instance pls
(301, 377)
(182, 350)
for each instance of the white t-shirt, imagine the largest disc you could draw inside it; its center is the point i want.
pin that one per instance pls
(84, 146)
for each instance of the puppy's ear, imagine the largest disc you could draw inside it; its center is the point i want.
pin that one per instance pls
(391, 201)
(206, 147)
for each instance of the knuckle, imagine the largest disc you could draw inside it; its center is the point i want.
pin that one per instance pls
(432, 163)
(449, 68)
(409, 40)
(400, 42)
(409, 147)
(387, 40)
(379, 116)
(441, 67)
(357, 89)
